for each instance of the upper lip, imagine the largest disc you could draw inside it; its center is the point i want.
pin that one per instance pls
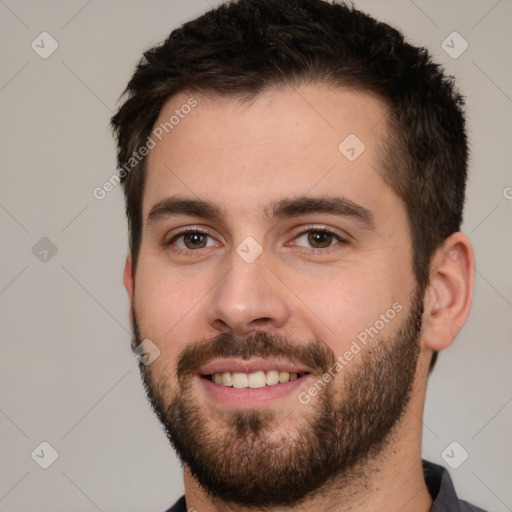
(250, 366)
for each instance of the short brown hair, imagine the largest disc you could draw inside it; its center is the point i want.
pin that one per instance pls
(243, 47)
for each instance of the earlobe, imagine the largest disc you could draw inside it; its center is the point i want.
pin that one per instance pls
(449, 294)
(129, 281)
(128, 277)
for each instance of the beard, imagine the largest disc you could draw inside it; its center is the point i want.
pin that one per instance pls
(240, 457)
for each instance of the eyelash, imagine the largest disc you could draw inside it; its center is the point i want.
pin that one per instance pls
(310, 229)
(188, 231)
(324, 250)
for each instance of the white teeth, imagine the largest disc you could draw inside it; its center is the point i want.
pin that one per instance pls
(272, 377)
(253, 380)
(257, 380)
(284, 376)
(240, 380)
(227, 379)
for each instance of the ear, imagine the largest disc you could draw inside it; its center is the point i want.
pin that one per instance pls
(129, 283)
(449, 293)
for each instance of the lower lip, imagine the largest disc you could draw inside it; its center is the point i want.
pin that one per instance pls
(248, 398)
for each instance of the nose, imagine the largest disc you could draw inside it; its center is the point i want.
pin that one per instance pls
(249, 298)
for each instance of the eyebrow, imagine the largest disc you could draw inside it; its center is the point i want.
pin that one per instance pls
(304, 205)
(172, 206)
(275, 211)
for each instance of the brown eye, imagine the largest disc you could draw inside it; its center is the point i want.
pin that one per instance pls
(320, 239)
(192, 240)
(195, 240)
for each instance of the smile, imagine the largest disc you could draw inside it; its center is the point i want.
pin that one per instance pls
(248, 384)
(253, 380)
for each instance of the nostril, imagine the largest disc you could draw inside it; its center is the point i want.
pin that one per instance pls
(262, 320)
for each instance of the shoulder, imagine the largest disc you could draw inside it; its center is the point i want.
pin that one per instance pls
(179, 506)
(440, 486)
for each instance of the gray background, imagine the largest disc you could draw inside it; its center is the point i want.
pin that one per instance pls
(67, 375)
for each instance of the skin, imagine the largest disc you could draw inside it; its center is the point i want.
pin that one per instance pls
(241, 156)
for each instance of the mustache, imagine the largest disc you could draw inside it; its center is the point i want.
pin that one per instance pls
(314, 354)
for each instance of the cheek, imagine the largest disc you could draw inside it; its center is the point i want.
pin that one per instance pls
(346, 305)
(168, 309)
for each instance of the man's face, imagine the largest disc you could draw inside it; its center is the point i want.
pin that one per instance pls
(272, 249)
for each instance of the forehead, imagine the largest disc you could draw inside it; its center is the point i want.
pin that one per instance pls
(286, 141)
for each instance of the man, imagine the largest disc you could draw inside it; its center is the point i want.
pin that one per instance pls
(294, 175)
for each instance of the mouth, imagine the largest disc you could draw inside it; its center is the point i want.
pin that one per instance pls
(248, 384)
(253, 380)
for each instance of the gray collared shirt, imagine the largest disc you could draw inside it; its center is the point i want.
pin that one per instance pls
(439, 484)
(440, 487)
